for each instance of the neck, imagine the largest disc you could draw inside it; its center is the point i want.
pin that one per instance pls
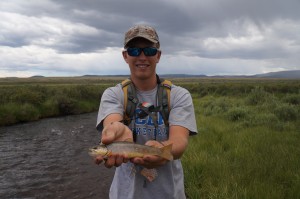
(145, 84)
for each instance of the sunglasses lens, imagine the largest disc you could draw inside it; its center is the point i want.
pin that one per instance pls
(134, 52)
(150, 51)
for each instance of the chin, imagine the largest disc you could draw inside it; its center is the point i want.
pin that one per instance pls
(142, 76)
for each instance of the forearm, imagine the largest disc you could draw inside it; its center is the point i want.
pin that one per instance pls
(114, 117)
(178, 137)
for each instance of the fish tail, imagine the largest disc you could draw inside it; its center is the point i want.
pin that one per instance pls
(166, 152)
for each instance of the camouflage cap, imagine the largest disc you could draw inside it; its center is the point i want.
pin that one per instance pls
(143, 31)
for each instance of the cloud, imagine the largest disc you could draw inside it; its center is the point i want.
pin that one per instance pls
(34, 60)
(199, 37)
(19, 30)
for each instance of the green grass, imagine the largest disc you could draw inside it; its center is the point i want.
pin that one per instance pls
(243, 163)
(249, 129)
(244, 149)
(22, 100)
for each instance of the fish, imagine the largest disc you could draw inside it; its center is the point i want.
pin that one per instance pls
(132, 150)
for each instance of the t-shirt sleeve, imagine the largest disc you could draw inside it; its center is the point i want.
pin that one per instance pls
(182, 109)
(111, 102)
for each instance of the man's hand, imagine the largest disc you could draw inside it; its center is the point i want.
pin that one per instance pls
(178, 137)
(113, 160)
(151, 161)
(114, 131)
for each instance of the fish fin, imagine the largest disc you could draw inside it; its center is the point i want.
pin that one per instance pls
(149, 174)
(132, 171)
(166, 152)
(109, 153)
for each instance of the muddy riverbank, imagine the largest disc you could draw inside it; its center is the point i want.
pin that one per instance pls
(49, 159)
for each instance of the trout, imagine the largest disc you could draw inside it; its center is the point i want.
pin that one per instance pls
(131, 150)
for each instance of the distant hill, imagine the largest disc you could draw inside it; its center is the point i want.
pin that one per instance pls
(295, 74)
(292, 74)
(180, 75)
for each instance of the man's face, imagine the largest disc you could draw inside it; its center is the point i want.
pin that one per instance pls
(141, 67)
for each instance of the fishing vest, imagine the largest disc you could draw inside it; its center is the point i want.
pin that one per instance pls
(131, 102)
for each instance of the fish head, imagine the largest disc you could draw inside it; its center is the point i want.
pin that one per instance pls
(100, 150)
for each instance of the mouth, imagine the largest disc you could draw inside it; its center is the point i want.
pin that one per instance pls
(142, 65)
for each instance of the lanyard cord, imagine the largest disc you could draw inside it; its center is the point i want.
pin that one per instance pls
(153, 115)
(156, 116)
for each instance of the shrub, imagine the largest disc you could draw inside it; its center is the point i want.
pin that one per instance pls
(27, 112)
(7, 115)
(292, 99)
(257, 96)
(66, 105)
(286, 112)
(217, 105)
(263, 119)
(26, 95)
(87, 106)
(49, 108)
(237, 114)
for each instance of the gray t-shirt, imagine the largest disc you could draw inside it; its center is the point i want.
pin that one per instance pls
(128, 183)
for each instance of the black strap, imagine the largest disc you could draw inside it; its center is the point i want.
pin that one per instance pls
(132, 98)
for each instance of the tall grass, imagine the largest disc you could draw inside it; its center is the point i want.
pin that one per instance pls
(247, 146)
(23, 103)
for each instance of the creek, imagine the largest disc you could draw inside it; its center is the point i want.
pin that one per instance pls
(49, 159)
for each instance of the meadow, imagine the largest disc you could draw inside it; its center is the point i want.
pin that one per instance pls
(248, 141)
(249, 129)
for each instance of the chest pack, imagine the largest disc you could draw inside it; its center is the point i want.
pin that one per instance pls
(131, 102)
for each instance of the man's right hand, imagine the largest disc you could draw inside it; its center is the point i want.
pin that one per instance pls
(114, 131)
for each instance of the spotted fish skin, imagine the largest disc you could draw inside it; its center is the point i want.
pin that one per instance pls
(131, 150)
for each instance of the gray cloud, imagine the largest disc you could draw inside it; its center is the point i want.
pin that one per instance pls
(259, 32)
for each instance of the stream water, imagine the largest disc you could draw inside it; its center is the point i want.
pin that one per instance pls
(49, 159)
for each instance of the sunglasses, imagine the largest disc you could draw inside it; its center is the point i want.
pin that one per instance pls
(135, 52)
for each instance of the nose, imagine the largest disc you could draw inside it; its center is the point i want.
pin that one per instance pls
(142, 56)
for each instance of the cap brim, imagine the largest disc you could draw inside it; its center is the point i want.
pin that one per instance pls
(139, 36)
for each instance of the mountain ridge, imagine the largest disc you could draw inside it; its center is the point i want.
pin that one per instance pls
(291, 74)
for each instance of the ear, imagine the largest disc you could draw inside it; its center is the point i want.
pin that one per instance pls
(158, 56)
(124, 53)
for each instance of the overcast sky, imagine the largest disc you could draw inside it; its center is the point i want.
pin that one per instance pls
(211, 37)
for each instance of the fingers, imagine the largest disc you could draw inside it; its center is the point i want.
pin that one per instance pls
(149, 161)
(108, 134)
(114, 160)
(98, 160)
(143, 162)
(116, 131)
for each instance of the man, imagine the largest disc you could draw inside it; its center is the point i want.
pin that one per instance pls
(142, 53)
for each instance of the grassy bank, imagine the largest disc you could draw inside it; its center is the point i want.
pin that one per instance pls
(247, 146)
(29, 99)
